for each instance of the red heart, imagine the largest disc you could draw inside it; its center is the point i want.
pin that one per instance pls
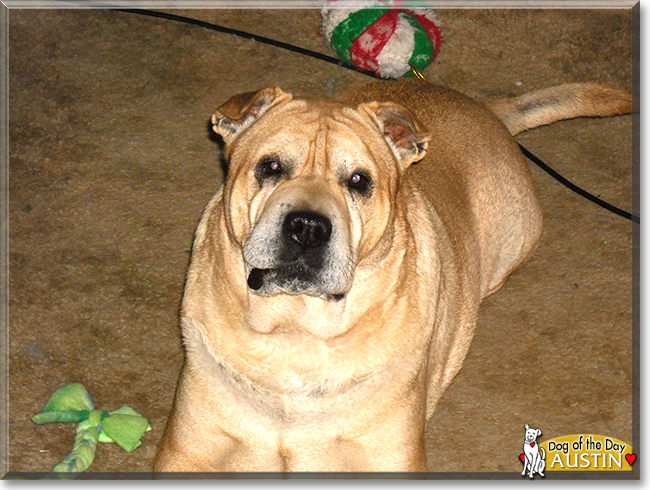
(532, 444)
(631, 458)
(523, 458)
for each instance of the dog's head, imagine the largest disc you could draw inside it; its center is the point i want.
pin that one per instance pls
(531, 434)
(311, 186)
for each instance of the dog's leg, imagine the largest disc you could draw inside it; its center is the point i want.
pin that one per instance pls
(384, 435)
(193, 449)
(541, 466)
(195, 441)
(185, 450)
(394, 442)
(192, 440)
(533, 464)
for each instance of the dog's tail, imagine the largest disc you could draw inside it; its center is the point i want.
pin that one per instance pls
(554, 104)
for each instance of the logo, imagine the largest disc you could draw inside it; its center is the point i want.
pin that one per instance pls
(534, 457)
(577, 452)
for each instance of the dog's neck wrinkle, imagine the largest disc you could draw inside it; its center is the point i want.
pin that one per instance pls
(220, 248)
(319, 398)
(369, 308)
(395, 234)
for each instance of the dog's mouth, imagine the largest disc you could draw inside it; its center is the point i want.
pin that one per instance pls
(256, 278)
(291, 279)
(300, 252)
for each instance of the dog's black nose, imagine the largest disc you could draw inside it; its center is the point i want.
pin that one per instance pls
(307, 229)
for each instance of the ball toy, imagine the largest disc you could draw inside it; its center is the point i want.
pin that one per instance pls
(382, 39)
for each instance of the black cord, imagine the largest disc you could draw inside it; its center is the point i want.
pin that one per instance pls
(576, 189)
(247, 35)
(329, 59)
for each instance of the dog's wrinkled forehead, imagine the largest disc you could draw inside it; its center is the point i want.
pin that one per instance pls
(312, 138)
(272, 113)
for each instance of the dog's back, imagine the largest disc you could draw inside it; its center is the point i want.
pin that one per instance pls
(506, 231)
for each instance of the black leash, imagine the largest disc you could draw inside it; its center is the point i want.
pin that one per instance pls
(329, 59)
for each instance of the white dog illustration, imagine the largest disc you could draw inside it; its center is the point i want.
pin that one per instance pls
(534, 461)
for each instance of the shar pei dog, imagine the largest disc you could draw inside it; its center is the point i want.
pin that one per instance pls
(336, 276)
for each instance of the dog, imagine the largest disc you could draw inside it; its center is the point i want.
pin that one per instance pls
(336, 276)
(534, 462)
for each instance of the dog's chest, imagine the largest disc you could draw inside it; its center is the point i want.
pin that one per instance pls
(280, 391)
(292, 398)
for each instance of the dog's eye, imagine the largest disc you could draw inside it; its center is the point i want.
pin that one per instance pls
(271, 167)
(268, 167)
(359, 182)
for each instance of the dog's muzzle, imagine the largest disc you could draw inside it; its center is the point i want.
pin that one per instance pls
(298, 259)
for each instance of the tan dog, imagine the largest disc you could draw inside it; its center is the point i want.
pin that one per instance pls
(334, 288)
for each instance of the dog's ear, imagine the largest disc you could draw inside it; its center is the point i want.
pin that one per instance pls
(539, 432)
(406, 136)
(526, 426)
(240, 111)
